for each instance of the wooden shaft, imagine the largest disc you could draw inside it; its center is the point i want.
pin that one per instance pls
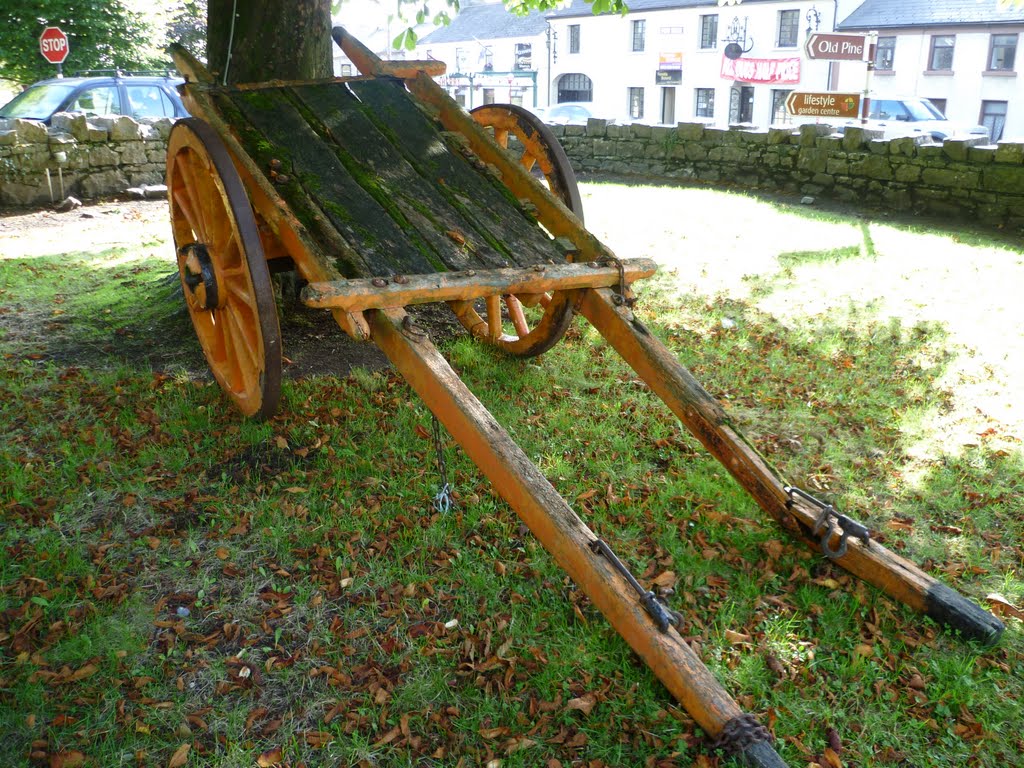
(704, 417)
(551, 520)
(401, 291)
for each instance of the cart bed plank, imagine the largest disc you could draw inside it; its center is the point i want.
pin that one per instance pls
(370, 154)
(381, 172)
(477, 192)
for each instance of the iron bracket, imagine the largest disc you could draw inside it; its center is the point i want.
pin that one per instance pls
(824, 525)
(664, 617)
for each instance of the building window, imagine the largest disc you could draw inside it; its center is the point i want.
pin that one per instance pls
(941, 58)
(487, 57)
(639, 28)
(709, 31)
(705, 102)
(524, 57)
(789, 22)
(779, 112)
(1002, 52)
(993, 117)
(575, 87)
(460, 60)
(346, 70)
(939, 104)
(488, 95)
(574, 38)
(885, 52)
(636, 103)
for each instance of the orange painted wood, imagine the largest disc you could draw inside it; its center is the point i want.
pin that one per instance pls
(701, 414)
(357, 295)
(551, 520)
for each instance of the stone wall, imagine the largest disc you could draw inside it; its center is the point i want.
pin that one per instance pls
(966, 180)
(92, 157)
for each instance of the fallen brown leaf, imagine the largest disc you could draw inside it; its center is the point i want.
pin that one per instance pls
(584, 703)
(1000, 606)
(68, 759)
(180, 756)
(270, 758)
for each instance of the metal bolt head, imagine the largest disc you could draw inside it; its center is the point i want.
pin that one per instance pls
(400, 279)
(378, 282)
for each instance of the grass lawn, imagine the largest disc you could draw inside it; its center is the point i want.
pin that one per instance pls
(179, 587)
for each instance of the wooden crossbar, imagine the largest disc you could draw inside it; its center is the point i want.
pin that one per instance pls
(401, 291)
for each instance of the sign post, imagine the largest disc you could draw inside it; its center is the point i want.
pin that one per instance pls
(53, 45)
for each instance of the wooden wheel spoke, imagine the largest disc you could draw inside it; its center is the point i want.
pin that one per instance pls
(528, 161)
(493, 316)
(245, 346)
(515, 313)
(240, 292)
(194, 193)
(501, 136)
(184, 204)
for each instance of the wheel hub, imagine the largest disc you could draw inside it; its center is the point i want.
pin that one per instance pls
(200, 275)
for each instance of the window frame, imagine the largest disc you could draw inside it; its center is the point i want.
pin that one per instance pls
(631, 92)
(780, 115)
(709, 102)
(993, 116)
(794, 15)
(638, 35)
(891, 48)
(708, 32)
(574, 38)
(574, 79)
(933, 48)
(992, 50)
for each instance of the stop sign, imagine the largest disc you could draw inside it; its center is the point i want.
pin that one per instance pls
(53, 44)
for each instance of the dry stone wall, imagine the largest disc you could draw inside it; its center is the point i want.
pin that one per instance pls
(965, 180)
(78, 156)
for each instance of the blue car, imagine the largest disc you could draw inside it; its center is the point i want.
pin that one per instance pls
(137, 96)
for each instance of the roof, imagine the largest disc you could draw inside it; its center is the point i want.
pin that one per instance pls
(487, 22)
(583, 8)
(882, 14)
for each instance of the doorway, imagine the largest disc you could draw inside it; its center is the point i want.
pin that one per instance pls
(741, 104)
(668, 106)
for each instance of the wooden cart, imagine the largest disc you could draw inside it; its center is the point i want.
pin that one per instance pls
(383, 193)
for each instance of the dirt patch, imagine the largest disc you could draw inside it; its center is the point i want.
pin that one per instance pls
(314, 344)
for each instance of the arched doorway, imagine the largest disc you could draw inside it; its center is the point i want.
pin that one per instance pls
(575, 87)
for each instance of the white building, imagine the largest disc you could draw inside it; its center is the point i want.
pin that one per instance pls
(492, 56)
(960, 54)
(670, 61)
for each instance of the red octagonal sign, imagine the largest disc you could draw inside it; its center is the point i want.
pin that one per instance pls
(53, 44)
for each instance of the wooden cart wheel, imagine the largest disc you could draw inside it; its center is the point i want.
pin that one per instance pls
(541, 149)
(525, 326)
(222, 267)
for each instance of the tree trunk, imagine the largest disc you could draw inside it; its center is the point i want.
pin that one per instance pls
(271, 39)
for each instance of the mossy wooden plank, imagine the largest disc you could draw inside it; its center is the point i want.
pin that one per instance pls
(481, 198)
(311, 163)
(335, 112)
